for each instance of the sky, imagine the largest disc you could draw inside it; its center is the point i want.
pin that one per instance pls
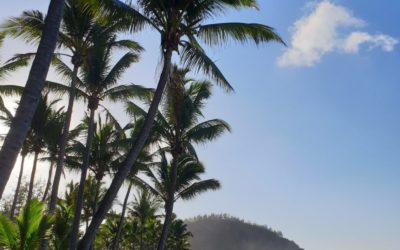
(315, 146)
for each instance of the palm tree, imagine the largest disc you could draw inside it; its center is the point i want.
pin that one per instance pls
(144, 160)
(80, 21)
(98, 82)
(178, 237)
(144, 207)
(51, 139)
(178, 126)
(30, 227)
(187, 184)
(62, 225)
(32, 92)
(105, 153)
(45, 119)
(179, 23)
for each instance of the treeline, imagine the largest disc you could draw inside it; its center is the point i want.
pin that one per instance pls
(222, 231)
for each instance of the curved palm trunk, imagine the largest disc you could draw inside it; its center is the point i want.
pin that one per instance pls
(169, 205)
(125, 168)
(33, 173)
(32, 91)
(79, 199)
(115, 245)
(63, 142)
(15, 200)
(46, 190)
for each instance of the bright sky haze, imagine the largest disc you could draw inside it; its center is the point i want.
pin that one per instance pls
(315, 146)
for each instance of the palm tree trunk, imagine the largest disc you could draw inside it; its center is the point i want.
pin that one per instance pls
(79, 200)
(46, 191)
(63, 142)
(141, 235)
(125, 168)
(32, 92)
(97, 192)
(15, 200)
(115, 245)
(169, 204)
(33, 173)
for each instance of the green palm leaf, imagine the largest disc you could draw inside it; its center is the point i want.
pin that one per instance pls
(119, 68)
(27, 26)
(207, 130)
(220, 33)
(8, 232)
(195, 58)
(197, 188)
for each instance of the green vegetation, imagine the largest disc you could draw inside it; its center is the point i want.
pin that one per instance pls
(215, 232)
(154, 154)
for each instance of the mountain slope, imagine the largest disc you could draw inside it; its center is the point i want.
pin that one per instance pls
(222, 232)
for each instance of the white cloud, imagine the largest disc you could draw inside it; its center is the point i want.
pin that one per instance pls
(353, 42)
(319, 32)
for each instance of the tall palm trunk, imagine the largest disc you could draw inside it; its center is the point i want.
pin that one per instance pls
(96, 195)
(63, 141)
(33, 173)
(84, 169)
(125, 168)
(115, 245)
(32, 92)
(46, 190)
(15, 200)
(169, 204)
(141, 234)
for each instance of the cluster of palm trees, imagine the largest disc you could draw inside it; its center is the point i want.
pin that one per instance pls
(154, 153)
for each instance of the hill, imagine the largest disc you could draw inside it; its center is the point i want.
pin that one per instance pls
(223, 232)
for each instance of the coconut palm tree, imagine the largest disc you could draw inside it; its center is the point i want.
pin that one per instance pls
(32, 92)
(29, 228)
(62, 225)
(45, 119)
(143, 162)
(105, 153)
(144, 207)
(80, 21)
(178, 124)
(188, 184)
(179, 24)
(178, 237)
(98, 82)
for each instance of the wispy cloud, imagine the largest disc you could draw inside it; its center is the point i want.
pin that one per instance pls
(321, 31)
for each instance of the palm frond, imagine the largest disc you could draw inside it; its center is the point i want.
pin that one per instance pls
(134, 110)
(128, 44)
(197, 188)
(11, 90)
(208, 130)
(28, 26)
(12, 65)
(61, 89)
(195, 58)
(219, 33)
(8, 232)
(133, 18)
(119, 68)
(124, 92)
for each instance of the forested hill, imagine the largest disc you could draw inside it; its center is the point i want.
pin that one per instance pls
(223, 232)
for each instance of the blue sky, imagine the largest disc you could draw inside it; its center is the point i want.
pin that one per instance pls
(315, 147)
